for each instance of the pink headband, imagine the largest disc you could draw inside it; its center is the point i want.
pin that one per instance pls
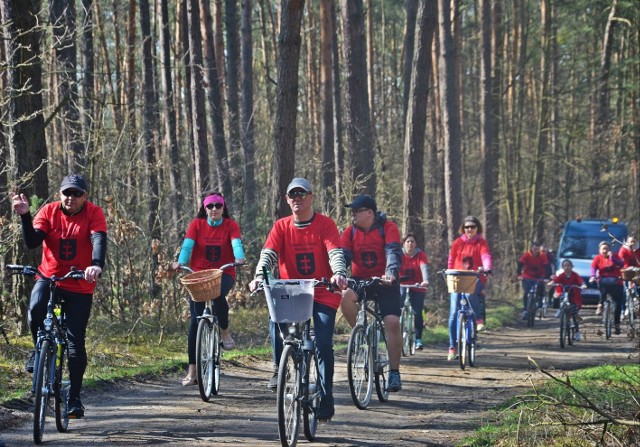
(214, 198)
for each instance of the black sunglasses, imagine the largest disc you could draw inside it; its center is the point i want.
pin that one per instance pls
(72, 192)
(470, 227)
(296, 194)
(216, 205)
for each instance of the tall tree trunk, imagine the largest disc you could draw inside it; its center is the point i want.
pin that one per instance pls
(327, 137)
(185, 55)
(215, 104)
(357, 117)
(450, 121)
(286, 104)
(130, 101)
(338, 148)
(88, 80)
(371, 62)
(411, 11)
(414, 142)
(250, 204)
(233, 86)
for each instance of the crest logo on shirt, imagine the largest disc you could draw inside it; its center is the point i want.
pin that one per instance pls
(369, 259)
(410, 273)
(68, 248)
(306, 263)
(467, 263)
(212, 253)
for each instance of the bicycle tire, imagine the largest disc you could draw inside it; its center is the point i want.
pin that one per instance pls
(360, 367)
(205, 358)
(61, 390)
(462, 342)
(312, 394)
(630, 306)
(405, 322)
(564, 325)
(471, 341)
(571, 328)
(412, 332)
(531, 308)
(41, 390)
(382, 365)
(607, 318)
(288, 399)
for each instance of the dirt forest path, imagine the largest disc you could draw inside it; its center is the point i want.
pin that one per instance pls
(438, 406)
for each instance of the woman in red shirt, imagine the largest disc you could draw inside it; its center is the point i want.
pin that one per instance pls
(415, 267)
(570, 278)
(605, 267)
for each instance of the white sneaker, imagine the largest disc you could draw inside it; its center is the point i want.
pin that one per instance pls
(626, 312)
(578, 336)
(557, 314)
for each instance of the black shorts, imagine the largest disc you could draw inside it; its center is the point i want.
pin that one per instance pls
(388, 297)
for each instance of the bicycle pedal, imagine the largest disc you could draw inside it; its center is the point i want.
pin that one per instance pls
(324, 421)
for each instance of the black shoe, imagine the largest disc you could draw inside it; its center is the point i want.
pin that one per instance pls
(326, 410)
(617, 329)
(273, 381)
(30, 361)
(75, 409)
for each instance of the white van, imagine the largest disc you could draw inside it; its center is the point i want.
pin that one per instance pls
(579, 243)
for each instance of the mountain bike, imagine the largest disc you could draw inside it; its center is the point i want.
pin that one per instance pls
(536, 303)
(299, 388)
(208, 339)
(568, 317)
(367, 353)
(407, 321)
(50, 378)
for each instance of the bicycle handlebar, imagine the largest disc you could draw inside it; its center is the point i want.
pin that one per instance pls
(29, 270)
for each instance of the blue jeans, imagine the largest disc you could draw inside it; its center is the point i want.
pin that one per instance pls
(454, 306)
(417, 303)
(324, 320)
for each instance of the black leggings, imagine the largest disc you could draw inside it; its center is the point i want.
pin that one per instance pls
(617, 294)
(77, 308)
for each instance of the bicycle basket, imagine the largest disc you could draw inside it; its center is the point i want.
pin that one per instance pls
(461, 281)
(203, 285)
(290, 300)
(631, 274)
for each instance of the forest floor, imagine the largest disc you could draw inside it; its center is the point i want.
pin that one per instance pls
(439, 404)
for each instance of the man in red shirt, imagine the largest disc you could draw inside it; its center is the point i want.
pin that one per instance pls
(306, 245)
(533, 267)
(372, 246)
(73, 233)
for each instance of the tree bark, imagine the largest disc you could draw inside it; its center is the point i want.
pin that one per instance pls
(233, 86)
(327, 137)
(411, 11)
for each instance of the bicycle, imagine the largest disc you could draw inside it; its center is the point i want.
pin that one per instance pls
(51, 354)
(208, 339)
(407, 321)
(367, 353)
(299, 387)
(631, 277)
(536, 304)
(464, 283)
(568, 317)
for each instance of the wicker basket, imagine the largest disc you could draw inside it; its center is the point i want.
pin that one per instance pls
(461, 281)
(203, 285)
(630, 273)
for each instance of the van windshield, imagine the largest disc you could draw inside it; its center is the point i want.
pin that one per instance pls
(582, 247)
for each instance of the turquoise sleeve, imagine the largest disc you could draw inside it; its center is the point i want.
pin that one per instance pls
(238, 250)
(185, 251)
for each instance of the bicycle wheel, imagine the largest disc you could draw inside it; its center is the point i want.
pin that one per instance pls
(471, 341)
(564, 327)
(61, 390)
(631, 306)
(41, 390)
(406, 323)
(462, 340)
(531, 308)
(289, 393)
(360, 367)
(571, 328)
(412, 333)
(207, 351)
(382, 366)
(312, 394)
(607, 318)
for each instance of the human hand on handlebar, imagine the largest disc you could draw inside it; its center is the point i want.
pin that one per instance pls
(340, 281)
(92, 273)
(388, 279)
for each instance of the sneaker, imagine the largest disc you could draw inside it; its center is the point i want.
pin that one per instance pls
(525, 315)
(76, 410)
(395, 384)
(326, 409)
(578, 336)
(419, 345)
(480, 325)
(626, 312)
(273, 381)
(599, 309)
(617, 329)
(452, 354)
(228, 344)
(558, 313)
(30, 361)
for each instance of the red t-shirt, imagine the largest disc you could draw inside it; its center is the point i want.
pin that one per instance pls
(606, 267)
(575, 295)
(68, 242)
(303, 253)
(629, 257)
(369, 256)
(533, 266)
(469, 254)
(212, 247)
(411, 268)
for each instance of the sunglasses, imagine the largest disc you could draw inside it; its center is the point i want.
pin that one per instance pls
(73, 192)
(216, 205)
(298, 194)
(470, 227)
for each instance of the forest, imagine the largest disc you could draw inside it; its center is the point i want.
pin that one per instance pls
(524, 113)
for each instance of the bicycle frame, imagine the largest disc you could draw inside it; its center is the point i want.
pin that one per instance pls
(568, 317)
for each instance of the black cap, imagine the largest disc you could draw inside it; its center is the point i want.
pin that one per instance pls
(363, 201)
(75, 181)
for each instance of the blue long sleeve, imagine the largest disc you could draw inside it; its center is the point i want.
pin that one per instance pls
(238, 249)
(185, 251)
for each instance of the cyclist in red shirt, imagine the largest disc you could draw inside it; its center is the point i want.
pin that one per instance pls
(569, 278)
(629, 254)
(533, 266)
(605, 267)
(372, 247)
(306, 245)
(415, 267)
(73, 233)
(212, 240)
